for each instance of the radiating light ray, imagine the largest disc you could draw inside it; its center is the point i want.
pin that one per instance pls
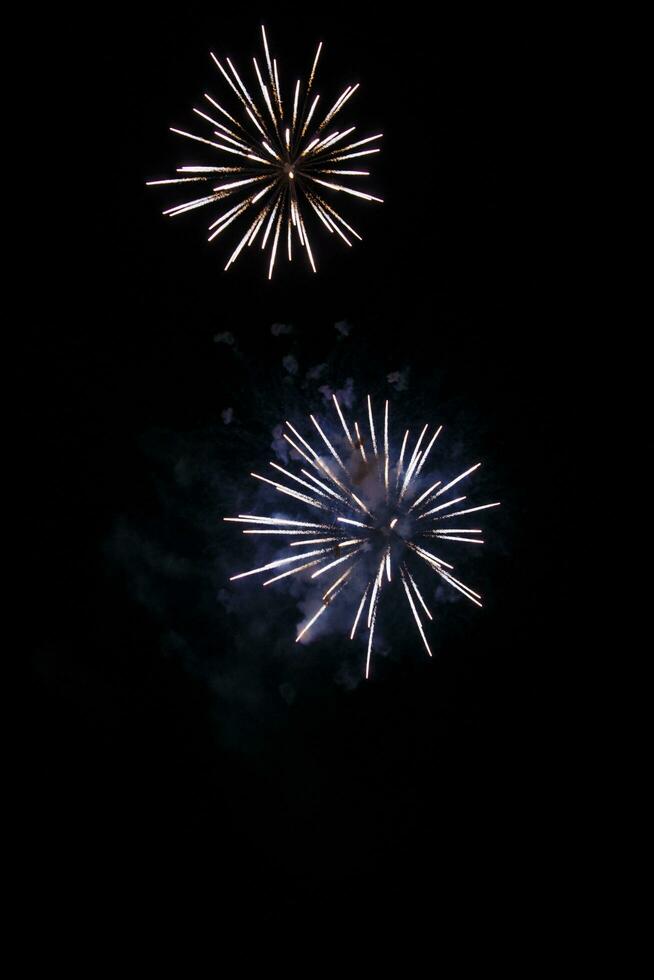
(295, 104)
(329, 222)
(414, 611)
(387, 537)
(343, 578)
(386, 450)
(345, 190)
(423, 495)
(267, 53)
(295, 544)
(360, 441)
(361, 504)
(375, 590)
(400, 463)
(328, 490)
(448, 503)
(455, 530)
(409, 474)
(247, 238)
(336, 562)
(294, 571)
(470, 510)
(368, 139)
(278, 90)
(298, 450)
(359, 611)
(343, 422)
(416, 448)
(303, 441)
(372, 427)
(369, 653)
(209, 170)
(306, 242)
(323, 217)
(351, 156)
(417, 592)
(286, 147)
(317, 463)
(289, 491)
(428, 555)
(287, 533)
(468, 593)
(335, 214)
(253, 519)
(310, 623)
(451, 538)
(307, 121)
(175, 180)
(278, 563)
(328, 443)
(313, 67)
(297, 479)
(298, 496)
(428, 449)
(222, 110)
(456, 480)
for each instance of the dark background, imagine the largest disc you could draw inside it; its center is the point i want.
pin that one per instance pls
(439, 772)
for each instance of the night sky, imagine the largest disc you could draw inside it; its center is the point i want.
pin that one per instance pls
(177, 728)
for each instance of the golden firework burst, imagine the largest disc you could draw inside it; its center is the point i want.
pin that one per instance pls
(286, 161)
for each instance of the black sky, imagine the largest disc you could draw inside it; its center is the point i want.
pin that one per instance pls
(143, 759)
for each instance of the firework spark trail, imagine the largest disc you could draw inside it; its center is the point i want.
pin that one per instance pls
(360, 442)
(360, 610)
(284, 150)
(470, 510)
(428, 449)
(253, 519)
(448, 503)
(295, 544)
(372, 427)
(423, 495)
(293, 571)
(343, 422)
(417, 591)
(386, 450)
(400, 464)
(414, 611)
(433, 559)
(387, 537)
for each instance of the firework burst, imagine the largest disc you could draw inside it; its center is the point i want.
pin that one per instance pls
(285, 160)
(377, 519)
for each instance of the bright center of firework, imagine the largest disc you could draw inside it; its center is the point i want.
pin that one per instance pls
(373, 516)
(388, 525)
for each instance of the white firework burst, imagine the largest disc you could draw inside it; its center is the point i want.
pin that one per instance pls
(375, 519)
(285, 160)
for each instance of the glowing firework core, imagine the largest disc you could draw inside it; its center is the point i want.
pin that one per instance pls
(374, 520)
